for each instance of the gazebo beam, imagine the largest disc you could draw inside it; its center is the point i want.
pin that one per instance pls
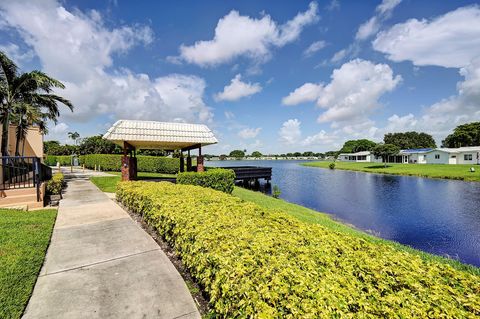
(192, 147)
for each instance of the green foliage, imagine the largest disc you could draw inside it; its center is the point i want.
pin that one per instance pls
(331, 165)
(97, 145)
(24, 238)
(409, 140)
(385, 150)
(459, 172)
(64, 160)
(256, 262)
(112, 162)
(55, 185)
(464, 135)
(219, 179)
(237, 153)
(276, 192)
(54, 148)
(354, 146)
(256, 154)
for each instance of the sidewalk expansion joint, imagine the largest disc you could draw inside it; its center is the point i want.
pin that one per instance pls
(99, 262)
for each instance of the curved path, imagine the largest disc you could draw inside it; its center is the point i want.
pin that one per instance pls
(101, 264)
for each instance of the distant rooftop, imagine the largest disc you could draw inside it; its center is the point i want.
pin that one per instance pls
(356, 154)
(416, 150)
(159, 135)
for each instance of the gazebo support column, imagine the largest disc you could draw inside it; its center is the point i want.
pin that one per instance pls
(129, 163)
(200, 167)
(182, 162)
(189, 162)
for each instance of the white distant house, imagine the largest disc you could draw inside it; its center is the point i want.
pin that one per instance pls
(461, 155)
(359, 157)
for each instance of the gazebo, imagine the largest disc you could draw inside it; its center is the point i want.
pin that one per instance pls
(133, 135)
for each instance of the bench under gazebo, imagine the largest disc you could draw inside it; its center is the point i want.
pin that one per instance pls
(133, 135)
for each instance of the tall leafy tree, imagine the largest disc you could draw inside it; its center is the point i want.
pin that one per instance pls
(353, 146)
(385, 151)
(27, 92)
(464, 135)
(74, 136)
(410, 140)
(237, 153)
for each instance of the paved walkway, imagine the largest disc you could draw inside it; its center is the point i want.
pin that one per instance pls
(101, 264)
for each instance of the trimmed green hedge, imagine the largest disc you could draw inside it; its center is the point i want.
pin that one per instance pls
(153, 164)
(255, 262)
(55, 185)
(219, 179)
(64, 160)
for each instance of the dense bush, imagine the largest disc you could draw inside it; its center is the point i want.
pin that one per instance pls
(153, 164)
(55, 185)
(254, 262)
(331, 165)
(64, 160)
(220, 179)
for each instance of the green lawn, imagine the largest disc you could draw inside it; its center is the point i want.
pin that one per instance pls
(313, 217)
(108, 184)
(24, 238)
(459, 172)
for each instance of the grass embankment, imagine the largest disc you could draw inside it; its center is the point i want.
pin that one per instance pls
(445, 171)
(24, 238)
(108, 184)
(255, 261)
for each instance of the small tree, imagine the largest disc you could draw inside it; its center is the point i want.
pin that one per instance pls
(257, 154)
(385, 150)
(237, 153)
(74, 136)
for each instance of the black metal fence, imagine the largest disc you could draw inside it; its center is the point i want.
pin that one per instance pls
(23, 172)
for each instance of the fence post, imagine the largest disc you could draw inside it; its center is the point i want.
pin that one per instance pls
(36, 178)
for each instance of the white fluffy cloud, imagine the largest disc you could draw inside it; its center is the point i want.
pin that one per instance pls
(249, 132)
(352, 94)
(78, 49)
(290, 132)
(314, 47)
(16, 53)
(450, 40)
(237, 89)
(237, 35)
(306, 93)
(372, 25)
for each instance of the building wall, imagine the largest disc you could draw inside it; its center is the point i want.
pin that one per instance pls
(443, 157)
(461, 158)
(33, 142)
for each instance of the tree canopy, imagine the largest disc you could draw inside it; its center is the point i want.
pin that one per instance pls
(353, 146)
(464, 135)
(410, 140)
(237, 153)
(385, 150)
(256, 154)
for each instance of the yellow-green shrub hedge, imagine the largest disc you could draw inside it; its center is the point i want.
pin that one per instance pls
(113, 162)
(218, 179)
(254, 262)
(54, 186)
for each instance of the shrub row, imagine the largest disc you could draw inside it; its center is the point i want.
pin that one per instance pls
(55, 185)
(255, 262)
(153, 164)
(64, 160)
(220, 179)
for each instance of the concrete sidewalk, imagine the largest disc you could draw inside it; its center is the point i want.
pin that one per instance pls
(101, 264)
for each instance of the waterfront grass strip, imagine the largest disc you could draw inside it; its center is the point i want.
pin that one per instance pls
(444, 171)
(258, 262)
(24, 237)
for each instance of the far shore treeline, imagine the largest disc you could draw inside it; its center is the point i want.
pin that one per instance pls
(463, 135)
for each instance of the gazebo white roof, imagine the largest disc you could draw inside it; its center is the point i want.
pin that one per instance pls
(159, 135)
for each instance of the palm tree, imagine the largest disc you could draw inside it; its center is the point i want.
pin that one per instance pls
(27, 91)
(74, 136)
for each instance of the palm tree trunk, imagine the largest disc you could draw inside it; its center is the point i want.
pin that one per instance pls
(19, 137)
(4, 147)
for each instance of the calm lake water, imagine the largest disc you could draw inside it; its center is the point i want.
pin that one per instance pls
(436, 216)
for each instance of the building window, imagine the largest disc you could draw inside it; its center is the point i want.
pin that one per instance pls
(437, 156)
(467, 157)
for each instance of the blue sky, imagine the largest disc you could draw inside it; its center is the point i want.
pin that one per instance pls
(264, 75)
